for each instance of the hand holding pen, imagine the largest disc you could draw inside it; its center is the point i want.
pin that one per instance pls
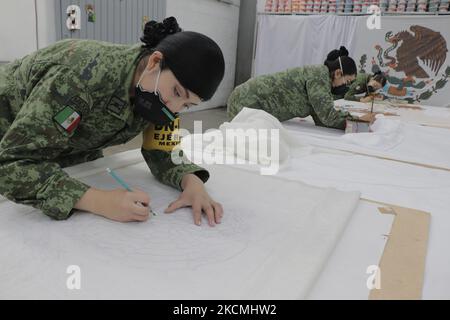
(126, 186)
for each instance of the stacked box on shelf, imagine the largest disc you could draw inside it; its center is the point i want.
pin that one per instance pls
(309, 6)
(411, 5)
(295, 6)
(269, 6)
(287, 6)
(332, 6)
(433, 5)
(443, 6)
(348, 6)
(357, 6)
(275, 5)
(401, 6)
(340, 6)
(316, 6)
(422, 5)
(365, 5)
(324, 6)
(303, 5)
(392, 6)
(383, 4)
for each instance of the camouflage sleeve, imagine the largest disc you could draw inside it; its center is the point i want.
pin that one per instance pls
(357, 87)
(322, 104)
(158, 144)
(28, 172)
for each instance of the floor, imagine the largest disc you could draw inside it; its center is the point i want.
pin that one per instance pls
(211, 118)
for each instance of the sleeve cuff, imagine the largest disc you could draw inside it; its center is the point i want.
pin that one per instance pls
(201, 173)
(61, 196)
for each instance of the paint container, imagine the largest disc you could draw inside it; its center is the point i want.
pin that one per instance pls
(443, 6)
(421, 7)
(269, 6)
(433, 6)
(392, 6)
(357, 126)
(383, 5)
(295, 6)
(357, 8)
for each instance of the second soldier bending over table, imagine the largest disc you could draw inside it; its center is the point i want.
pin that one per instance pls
(364, 85)
(299, 92)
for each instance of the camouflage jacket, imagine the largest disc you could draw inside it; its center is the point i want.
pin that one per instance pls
(61, 106)
(359, 86)
(298, 92)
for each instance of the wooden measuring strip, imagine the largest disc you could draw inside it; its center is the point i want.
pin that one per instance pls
(402, 265)
(429, 166)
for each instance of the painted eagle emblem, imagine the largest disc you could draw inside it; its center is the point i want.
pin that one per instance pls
(425, 44)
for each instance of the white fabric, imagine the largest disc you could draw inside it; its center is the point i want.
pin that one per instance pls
(381, 180)
(385, 134)
(419, 144)
(426, 115)
(285, 42)
(385, 181)
(267, 247)
(259, 120)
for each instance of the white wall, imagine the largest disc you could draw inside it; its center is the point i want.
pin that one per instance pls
(18, 27)
(46, 22)
(261, 5)
(219, 21)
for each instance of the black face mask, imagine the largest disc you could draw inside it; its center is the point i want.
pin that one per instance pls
(370, 89)
(150, 106)
(340, 90)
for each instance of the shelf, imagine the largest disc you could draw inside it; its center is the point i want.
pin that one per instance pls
(355, 14)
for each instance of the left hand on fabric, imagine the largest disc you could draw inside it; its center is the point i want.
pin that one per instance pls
(368, 117)
(366, 99)
(194, 195)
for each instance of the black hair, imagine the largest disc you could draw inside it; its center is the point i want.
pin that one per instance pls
(379, 77)
(333, 64)
(195, 59)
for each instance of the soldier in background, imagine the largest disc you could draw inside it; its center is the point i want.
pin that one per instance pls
(62, 105)
(300, 92)
(364, 85)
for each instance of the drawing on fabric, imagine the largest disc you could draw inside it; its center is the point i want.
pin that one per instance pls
(165, 241)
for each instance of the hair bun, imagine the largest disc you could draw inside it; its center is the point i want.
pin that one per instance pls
(335, 54)
(343, 52)
(155, 31)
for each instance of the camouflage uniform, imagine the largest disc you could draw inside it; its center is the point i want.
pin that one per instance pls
(93, 78)
(358, 86)
(297, 92)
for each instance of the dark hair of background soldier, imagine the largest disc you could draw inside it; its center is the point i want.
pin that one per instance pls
(348, 64)
(380, 78)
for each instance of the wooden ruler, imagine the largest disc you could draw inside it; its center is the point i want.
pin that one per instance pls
(402, 265)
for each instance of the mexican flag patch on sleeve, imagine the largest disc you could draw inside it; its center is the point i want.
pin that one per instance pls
(68, 118)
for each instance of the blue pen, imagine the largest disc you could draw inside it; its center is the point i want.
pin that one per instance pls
(123, 184)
